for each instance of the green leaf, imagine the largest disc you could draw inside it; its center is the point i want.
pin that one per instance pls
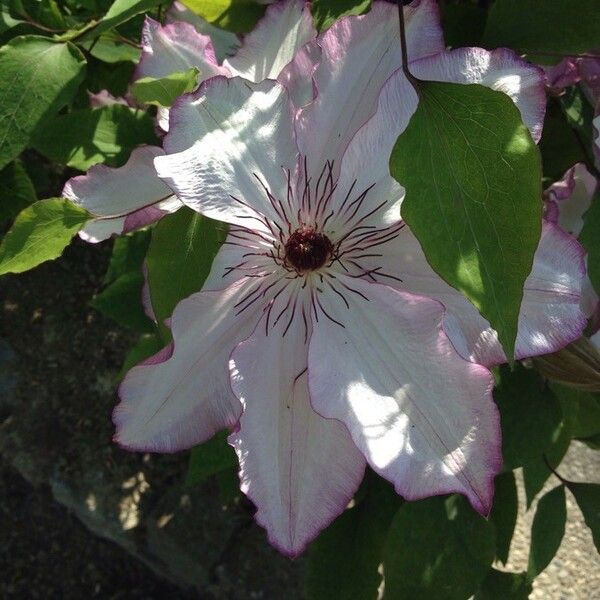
(547, 530)
(437, 548)
(165, 90)
(40, 233)
(343, 561)
(122, 302)
(147, 345)
(179, 259)
(473, 195)
(119, 12)
(544, 28)
(17, 191)
(463, 24)
(210, 458)
(504, 513)
(37, 78)
(559, 145)
(82, 138)
(530, 413)
(127, 255)
(583, 408)
(110, 48)
(591, 240)
(499, 585)
(587, 496)
(239, 16)
(327, 12)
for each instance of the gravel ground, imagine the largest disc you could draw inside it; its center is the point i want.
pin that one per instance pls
(574, 574)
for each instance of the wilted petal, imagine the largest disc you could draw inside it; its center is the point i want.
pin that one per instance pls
(235, 132)
(422, 415)
(502, 70)
(358, 56)
(122, 199)
(182, 399)
(572, 196)
(300, 469)
(224, 42)
(550, 315)
(273, 43)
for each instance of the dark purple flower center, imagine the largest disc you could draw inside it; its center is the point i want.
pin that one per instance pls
(307, 249)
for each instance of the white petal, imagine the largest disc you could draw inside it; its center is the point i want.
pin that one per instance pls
(300, 469)
(238, 132)
(183, 399)
(358, 56)
(284, 29)
(422, 415)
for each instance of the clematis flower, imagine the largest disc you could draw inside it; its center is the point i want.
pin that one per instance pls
(132, 196)
(322, 339)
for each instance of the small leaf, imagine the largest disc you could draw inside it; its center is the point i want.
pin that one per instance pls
(210, 458)
(82, 138)
(122, 302)
(504, 513)
(327, 12)
(343, 562)
(472, 175)
(17, 191)
(239, 16)
(40, 233)
(179, 259)
(499, 585)
(127, 255)
(546, 28)
(37, 78)
(587, 496)
(437, 548)
(165, 90)
(530, 414)
(547, 530)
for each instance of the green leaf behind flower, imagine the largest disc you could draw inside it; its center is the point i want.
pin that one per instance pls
(40, 233)
(164, 91)
(472, 175)
(239, 16)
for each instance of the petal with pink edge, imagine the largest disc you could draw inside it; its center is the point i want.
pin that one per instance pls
(224, 42)
(422, 415)
(182, 399)
(273, 43)
(242, 141)
(173, 48)
(122, 199)
(550, 316)
(299, 469)
(358, 56)
(502, 70)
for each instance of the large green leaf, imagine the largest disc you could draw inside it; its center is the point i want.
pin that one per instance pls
(437, 548)
(147, 345)
(472, 175)
(547, 530)
(179, 259)
(545, 28)
(40, 233)
(82, 138)
(499, 585)
(344, 559)
(164, 91)
(37, 78)
(239, 16)
(588, 500)
(17, 191)
(127, 255)
(327, 12)
(530, 414)
(504, 513)
(591, 240)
